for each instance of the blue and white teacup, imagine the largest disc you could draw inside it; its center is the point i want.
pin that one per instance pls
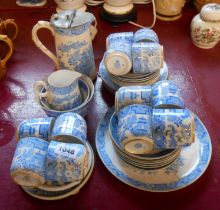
(172, 128)
(28, 164)
(35, 127)
(129, 95)
(117, 58)
(65, 163)
(62, 90)
(147, 57)
(134, 129)
(166, 94)
(119, 37)
(70, 127)
(146, 35)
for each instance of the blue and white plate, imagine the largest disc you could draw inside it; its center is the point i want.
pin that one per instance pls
(112, 86)
(188, 167)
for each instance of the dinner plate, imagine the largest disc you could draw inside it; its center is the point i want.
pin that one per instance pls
(189, 166)
(50, 195)
(112, 86)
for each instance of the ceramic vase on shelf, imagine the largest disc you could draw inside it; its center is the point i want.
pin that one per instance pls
(169, 10)
(70, 4)
(205, 27)
(200, 3)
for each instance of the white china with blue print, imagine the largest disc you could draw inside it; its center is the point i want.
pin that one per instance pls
(54, 187)
(61, 90)
(190, 165)
(134, 129)
(117, 58)
(172, 128)
(113, 86)
(132, 95)
(35, 127)
(70, 127)
(73, 41)
(147, 57)
(28, 164)
(166, 94)
(31, 3)
(119, 37)
(65, 162)
(87, 92)
(146, 35)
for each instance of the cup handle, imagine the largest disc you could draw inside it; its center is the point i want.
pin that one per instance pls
(37, 88)
(93, 30)
(8, 41)
(11, 22)
(38, 43)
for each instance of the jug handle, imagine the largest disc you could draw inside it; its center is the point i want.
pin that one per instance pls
(93, 29)
(8, 41)
(38, 43)
(12, 22)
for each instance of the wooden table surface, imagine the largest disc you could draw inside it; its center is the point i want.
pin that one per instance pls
(196, 71)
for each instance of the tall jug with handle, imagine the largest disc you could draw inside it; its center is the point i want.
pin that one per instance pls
(73, 41)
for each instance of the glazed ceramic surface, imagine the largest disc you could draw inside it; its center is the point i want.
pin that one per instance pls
(61, 90)
(112, 86)
(35, 127)
(65, 162)
(134, 128)
(205, 27)
(70, 127)
(146, 35)
(31, 3)
(117, 58)
(116, 10)
(69, 4)
(118, 3)
(87, 91)
(119, 37)
(28, 164)
(147, 57)
(73, 43)
(172, 128)
(132, 95)
(189, 166)
(169, 10)
(51, 195)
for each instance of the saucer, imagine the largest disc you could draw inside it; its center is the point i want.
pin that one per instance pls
(50, 195)
(112, 86)
(189, 166)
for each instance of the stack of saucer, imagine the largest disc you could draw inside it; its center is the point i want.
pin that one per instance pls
(53, 158)
(86, 93)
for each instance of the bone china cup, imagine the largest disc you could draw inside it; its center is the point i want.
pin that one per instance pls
(172, 128)
(62, 90)
(134, 129)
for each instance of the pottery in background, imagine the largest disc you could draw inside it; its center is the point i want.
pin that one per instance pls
(31, 3)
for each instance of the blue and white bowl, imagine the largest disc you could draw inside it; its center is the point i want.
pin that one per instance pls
(146, 35)
(87, 91)
(28, 164)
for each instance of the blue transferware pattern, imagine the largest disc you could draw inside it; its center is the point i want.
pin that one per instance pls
(145, 35)
(119, 37)
(35, 127)
(30, 156)
(30, 1)
(112, 86)
(190, 165)
(134, 122)
(168, 102)
(147, 57)
(132, 95)
(65, 162)
(70, 124)
(172, 128)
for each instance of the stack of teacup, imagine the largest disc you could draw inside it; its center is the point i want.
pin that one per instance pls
(53, 156)
(64, 91)
(134, 58)
(151, 124)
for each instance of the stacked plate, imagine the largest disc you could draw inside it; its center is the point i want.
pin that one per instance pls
(153, 160)
(55, 192)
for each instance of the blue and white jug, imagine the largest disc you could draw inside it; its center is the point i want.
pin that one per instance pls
(73, 35)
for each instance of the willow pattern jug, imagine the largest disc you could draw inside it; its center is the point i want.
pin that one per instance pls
(73, 41)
